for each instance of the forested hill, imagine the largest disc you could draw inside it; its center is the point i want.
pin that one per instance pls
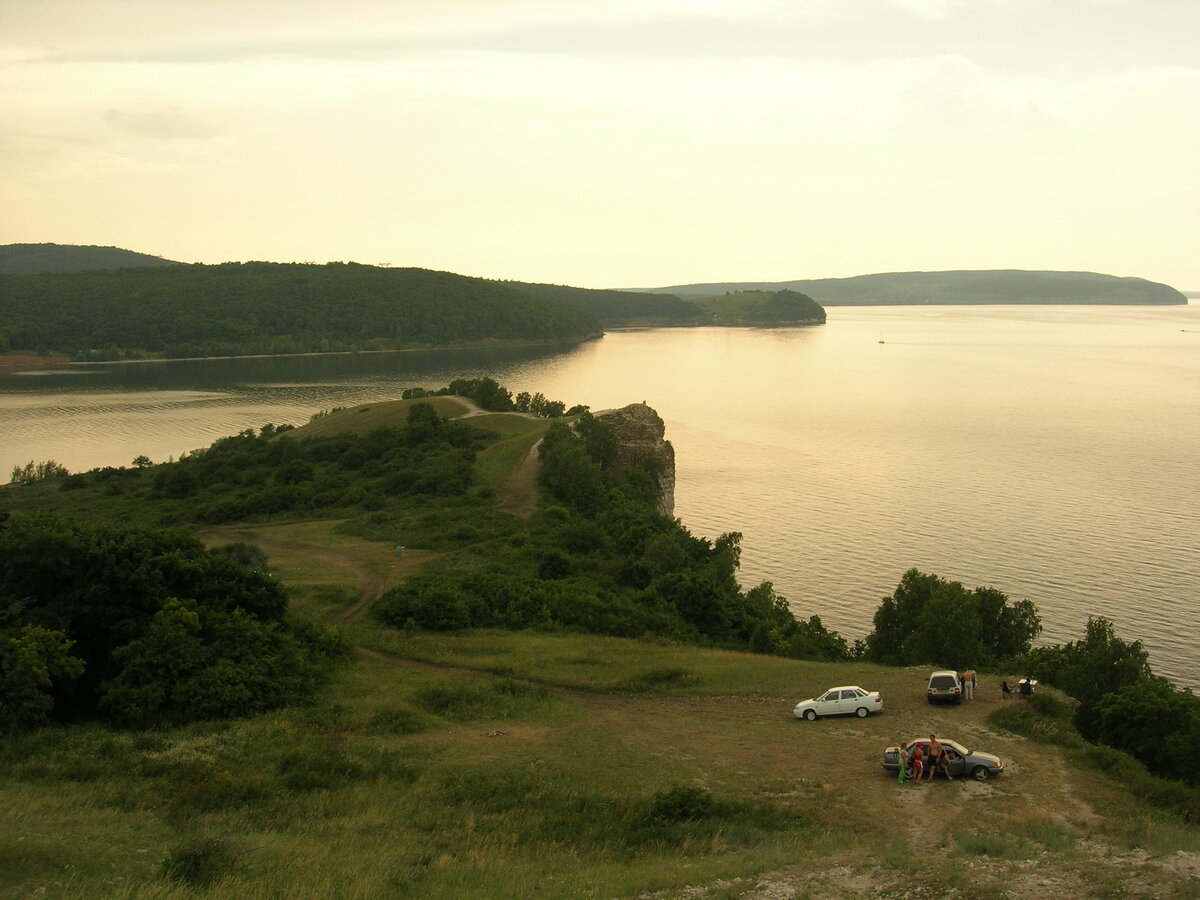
(32, 259)
(997, 286)
(616, 308)
(257, 307)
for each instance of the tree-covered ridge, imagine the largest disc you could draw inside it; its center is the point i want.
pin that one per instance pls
(990, 286)
(616, 308)
(33, 259)
(245, 308)
(762, 308)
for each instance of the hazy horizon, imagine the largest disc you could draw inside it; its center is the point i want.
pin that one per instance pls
(648, 143)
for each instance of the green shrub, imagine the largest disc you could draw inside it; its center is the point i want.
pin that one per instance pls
(1025, 720)
(999, 844)
(689, 818)
(462, 702)
(33, 661)
(660, 679)
(520, 689)
(496, 790)
(682, 804)
(1053, 836)
(1052, 706)
(316, 765)
(213, 791)
(195, 662)
(397, 720)
(199, 863)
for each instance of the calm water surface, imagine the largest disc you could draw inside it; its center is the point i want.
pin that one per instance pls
(1049, 451)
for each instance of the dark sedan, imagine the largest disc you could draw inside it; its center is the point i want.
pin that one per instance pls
(959, 760)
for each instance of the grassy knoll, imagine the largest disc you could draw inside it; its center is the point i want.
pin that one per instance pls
(494, 764)
(365, 417)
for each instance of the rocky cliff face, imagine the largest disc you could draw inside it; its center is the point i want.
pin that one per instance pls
(641, 433)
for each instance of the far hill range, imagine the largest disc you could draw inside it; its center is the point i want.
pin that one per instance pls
(90, 302)
(983, 286)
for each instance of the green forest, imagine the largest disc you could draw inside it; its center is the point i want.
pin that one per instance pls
(762, 309)
(102, 303)
(622, 308)
(247, 308)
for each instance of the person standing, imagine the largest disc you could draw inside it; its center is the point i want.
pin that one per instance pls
(918, 762)
(937, 757)
(968, 680)
(902, 759)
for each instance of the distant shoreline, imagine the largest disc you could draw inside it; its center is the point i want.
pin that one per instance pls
(15, 363)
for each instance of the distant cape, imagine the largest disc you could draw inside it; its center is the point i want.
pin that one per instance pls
(987, 286)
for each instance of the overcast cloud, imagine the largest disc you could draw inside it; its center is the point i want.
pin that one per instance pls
(610, 143)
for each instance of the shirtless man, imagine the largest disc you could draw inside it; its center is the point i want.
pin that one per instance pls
(937, 759)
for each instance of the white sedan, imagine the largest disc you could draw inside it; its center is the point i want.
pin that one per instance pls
(840, 701)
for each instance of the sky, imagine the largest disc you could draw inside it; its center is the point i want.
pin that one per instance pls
(610, 143)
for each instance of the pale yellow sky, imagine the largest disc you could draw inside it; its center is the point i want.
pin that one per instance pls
(614, 143)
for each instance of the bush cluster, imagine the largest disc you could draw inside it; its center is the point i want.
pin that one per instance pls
(1121, 703)
(144, 628)
(255, 475)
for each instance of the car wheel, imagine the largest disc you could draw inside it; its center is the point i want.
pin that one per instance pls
(811, 715)
(861, 712)
(980, 773)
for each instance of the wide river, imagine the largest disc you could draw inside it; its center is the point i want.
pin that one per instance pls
(1050, 452)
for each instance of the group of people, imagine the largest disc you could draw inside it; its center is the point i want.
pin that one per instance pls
(923, 760)
(1024, 688)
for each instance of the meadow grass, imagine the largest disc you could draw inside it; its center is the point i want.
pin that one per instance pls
(401, 780)
(495, 464)
(364, 418)
(411, 778)
(593, 662)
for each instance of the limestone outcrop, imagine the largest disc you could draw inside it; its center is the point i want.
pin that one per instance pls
(640, 434)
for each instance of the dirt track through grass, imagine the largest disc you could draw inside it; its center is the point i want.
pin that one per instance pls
(312, 553)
